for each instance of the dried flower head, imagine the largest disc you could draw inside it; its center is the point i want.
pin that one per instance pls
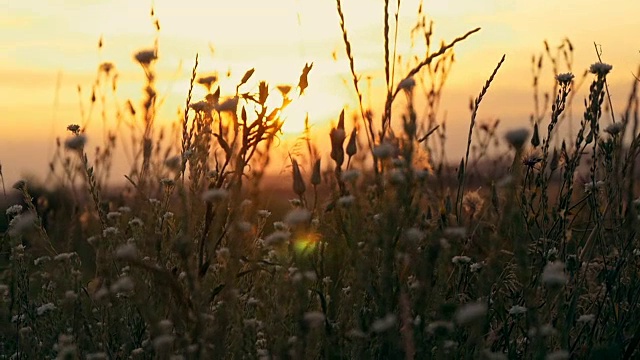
(600, 68)
(615, 128)
(145, 57)
(565, 78)
(517, 137)
(76, 142)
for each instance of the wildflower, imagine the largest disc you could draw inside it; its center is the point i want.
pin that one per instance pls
(439, 326)
(517, 137)
(350, 175)
(586, 319)
(277, 238)
(590, 187)
(76, 142)
(407, 84)
(456, 231)
(167, 182)
(384, 150)
(64, 256)
(414, 235)
(22, 224)
(263, 214)
(284, 90)
(207, 81)
(124, 209)
(532, 158)
(470, 312)
(396, 176)
(517, 310)
(214, 195)
(384, 324)
(168, 216)
(280, 226)
(636, 252)
(127, 252)
(460, 260)
(110, 231)
(114, 215)
(565, 78)
(600, 68)
(314, 318)
(473, 202)
(174, 163)
(145, 57)
(553, 274)
(356, 334)
(14, 210)
(122, 285)
(201, 106)
(229, 105)
(297, 217)
(70, 295)
(475, 267)
(40, 260)
(20, 185)
(45, 308)
(615, 128)
(346, 201)
(74, 128)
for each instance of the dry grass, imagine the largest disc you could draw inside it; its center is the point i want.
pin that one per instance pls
(529, 255)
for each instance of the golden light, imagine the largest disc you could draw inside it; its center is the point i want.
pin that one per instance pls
(306, 244)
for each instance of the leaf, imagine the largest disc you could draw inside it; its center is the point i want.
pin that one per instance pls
(303, 83)
(246, 77)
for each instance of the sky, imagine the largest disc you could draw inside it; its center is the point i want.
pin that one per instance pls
(48, 49)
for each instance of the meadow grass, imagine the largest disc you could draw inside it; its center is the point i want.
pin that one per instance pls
(384, 251)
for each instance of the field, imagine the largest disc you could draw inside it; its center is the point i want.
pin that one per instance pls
(371, 247)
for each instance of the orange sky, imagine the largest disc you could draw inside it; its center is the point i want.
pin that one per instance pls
(50, 47)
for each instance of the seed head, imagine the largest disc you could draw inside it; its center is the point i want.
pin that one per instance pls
(600, 68)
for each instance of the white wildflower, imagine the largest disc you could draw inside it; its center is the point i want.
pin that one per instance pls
(64, 256)
(460, 260)
(263, 214)
(277, 238)
(456, 231)
(127, 252)
(553, 274)
(14, 210)
(384, 324)
(517, 310)
(470, 312)
(439, 326)
(114, 215)
(346, 201)
(475, 267)
(162, 344)
(40, 260)
(168, 216)
(297, 217)
(215, 195)
(122, 285)
(414, 235)
(110, 231)
(586, 318)
(589, 187)
(124, 209)
(45, 308)
(136, 222)
(22, 224)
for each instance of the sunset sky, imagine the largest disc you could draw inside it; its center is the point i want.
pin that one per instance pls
(50, 47)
